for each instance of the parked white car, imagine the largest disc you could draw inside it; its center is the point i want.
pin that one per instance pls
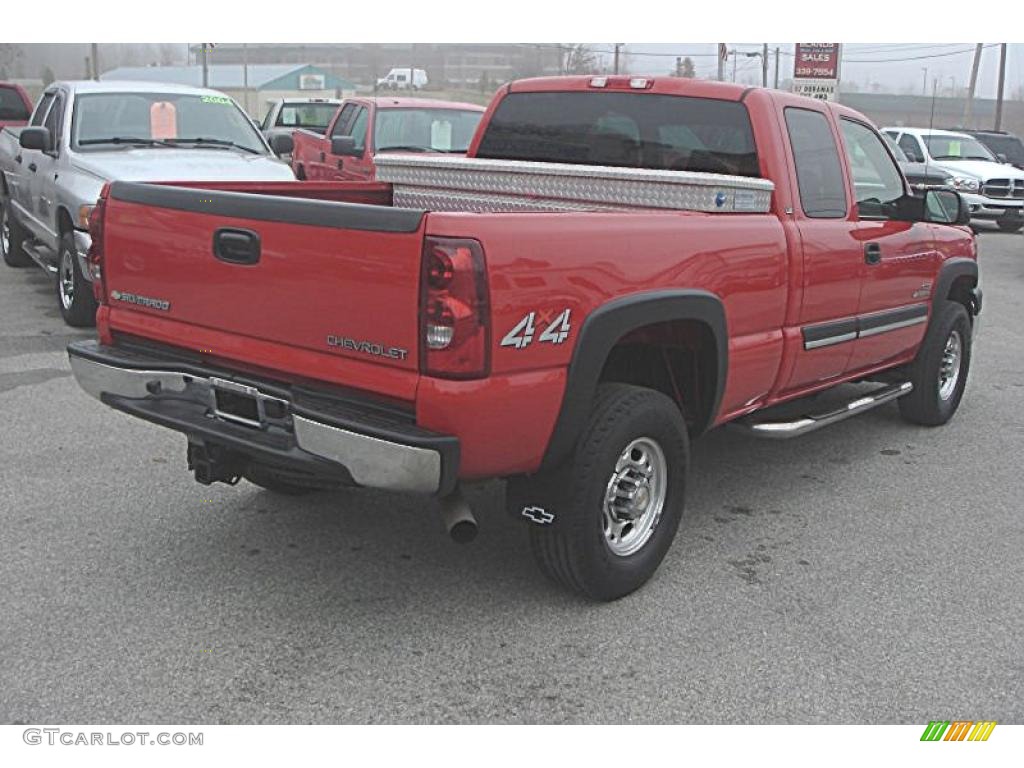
(404, 79)
(993, 190)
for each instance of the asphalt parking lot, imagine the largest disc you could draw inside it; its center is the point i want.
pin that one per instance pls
(870, 573)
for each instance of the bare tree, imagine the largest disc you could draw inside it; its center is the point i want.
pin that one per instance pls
(686, 68)
(579, 59)
(10, 60)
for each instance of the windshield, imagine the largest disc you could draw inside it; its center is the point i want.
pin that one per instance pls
(633, 130)
(956, 148)
(899, 154)
(102, 120)
(1010, 146)
(11, 105)
(425, 130)
(306, 115)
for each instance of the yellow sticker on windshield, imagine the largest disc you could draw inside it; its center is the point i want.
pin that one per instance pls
(954, 148)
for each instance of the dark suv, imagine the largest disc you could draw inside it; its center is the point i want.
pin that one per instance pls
(1003, 145)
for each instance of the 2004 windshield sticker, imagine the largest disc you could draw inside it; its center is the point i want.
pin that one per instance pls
(215, 100)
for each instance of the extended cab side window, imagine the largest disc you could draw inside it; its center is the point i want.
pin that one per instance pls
(908, 143)
(877, 181)
(40, 111)
(819, 174)
(343, 120)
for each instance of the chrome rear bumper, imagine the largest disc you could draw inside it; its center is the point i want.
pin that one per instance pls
(317, 433)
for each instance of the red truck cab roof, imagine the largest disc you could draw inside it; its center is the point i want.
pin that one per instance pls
(389, 102)
(15, 105)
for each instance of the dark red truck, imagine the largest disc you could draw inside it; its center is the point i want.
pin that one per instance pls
(620, 265)
(364, 127)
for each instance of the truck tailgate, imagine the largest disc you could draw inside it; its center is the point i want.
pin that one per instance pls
(333, 278)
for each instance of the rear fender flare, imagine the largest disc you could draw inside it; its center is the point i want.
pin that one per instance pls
(602, 330)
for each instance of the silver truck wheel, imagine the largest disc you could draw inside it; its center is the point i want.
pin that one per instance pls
(939, 373)
(635, 496)
(74, 292)
(12, 236)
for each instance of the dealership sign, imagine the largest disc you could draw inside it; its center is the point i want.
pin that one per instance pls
(816, 70)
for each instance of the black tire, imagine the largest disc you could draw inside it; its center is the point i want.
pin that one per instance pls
(576, 552)
(272, 482)
(928, 404)
(74, 293)
(1010, 223)
(13, 253)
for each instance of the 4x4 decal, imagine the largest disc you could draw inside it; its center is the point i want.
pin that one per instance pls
(522, 334)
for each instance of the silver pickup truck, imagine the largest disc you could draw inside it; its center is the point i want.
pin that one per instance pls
(84, 134)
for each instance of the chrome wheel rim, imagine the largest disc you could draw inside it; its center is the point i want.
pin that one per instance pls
(635, 497)
(949, 368)
(66, 279)
(5, 232)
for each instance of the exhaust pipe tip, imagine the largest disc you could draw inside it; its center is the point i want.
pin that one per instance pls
(458, 518)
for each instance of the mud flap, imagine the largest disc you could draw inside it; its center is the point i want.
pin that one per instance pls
(537, 499)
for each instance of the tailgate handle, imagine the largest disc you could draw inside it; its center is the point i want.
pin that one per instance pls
(236, 246)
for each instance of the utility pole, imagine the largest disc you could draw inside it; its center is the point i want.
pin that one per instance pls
(206, 69)
(776, 69)
(974, 82)
(924, 82)
(734, 57)
(764, 65)
(1002, 82)
(245, 75)
(723, 52)
(95, 61)
(617, 46)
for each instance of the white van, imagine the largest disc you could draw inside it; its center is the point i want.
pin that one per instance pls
(404, 78)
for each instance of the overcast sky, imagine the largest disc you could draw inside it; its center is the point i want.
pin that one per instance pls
(895, 66)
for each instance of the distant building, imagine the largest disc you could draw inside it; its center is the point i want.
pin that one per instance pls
(916, 111)
(455, 64)
(254, 86)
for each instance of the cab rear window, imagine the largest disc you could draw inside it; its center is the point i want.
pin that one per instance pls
(632, 130)
(11, 105)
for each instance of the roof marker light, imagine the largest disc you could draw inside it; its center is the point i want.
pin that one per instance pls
(598, 82)
(638, 82)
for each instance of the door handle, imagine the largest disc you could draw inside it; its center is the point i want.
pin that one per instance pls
(322, 157)
(32, 167)
(341, 163)
(17, 159)
(236, 246)
(872, 253)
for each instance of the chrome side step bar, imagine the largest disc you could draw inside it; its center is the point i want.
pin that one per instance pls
(780, 430)
(38, 252)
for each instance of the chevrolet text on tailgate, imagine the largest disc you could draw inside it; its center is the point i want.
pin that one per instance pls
(617, 266)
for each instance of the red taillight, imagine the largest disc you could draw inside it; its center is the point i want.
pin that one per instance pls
(95, 254)
(455, 315)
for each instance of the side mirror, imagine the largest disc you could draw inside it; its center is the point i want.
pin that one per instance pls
(36, 137)
(1001, 157)
(282, 144)
(944, 206)
(344, 145)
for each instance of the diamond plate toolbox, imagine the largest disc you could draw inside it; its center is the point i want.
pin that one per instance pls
(443, 183)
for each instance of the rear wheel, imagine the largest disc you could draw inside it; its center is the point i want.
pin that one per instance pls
(939, 373)
(626, 481)
(74, 292)
(12, 237)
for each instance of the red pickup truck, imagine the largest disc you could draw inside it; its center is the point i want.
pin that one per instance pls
(15, 105)
(619, 265)
(361, 128)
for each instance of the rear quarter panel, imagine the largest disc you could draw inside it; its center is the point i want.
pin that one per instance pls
(548, 263)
